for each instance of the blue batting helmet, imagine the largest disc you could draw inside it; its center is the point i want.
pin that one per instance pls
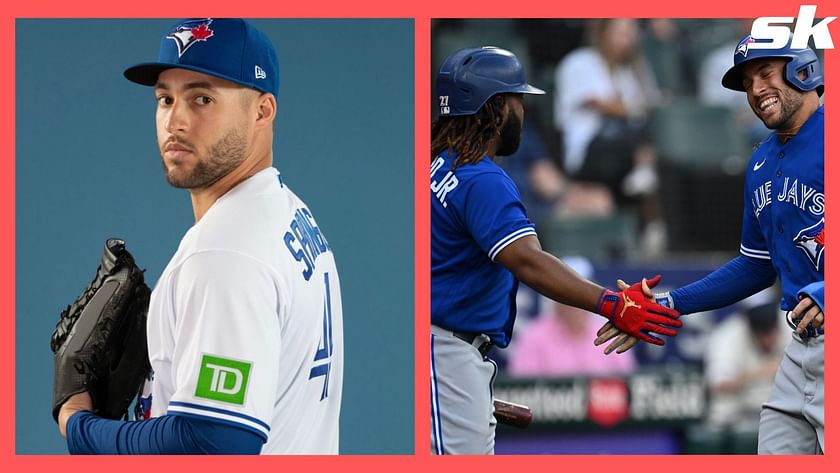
(469, 77)
(798, 60)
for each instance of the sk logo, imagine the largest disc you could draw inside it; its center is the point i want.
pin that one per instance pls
(773, 28)
(222, 380)
(628, 303)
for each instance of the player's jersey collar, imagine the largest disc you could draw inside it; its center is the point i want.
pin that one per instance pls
(262, 180)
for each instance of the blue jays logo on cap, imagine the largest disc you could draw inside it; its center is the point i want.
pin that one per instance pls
(233, 50)
(744, 45)
(811, 240)
(190, 32)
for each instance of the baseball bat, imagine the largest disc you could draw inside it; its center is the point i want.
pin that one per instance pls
(513, 414)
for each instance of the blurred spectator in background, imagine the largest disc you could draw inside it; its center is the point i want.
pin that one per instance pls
(546, 191)
(740, 363)
(604, 94)
(558, 342)
(664, 48)
(713, 67)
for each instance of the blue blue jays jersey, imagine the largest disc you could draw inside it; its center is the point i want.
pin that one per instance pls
(784, 211)
(476, 213)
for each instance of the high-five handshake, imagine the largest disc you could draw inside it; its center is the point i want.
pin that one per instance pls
(484, 244)
(634, 315)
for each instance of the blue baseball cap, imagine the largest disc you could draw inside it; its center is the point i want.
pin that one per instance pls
(228, 48)
(798, 60)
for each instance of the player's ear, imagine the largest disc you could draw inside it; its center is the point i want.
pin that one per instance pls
(266, 109)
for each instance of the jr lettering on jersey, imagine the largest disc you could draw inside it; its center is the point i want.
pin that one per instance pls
(801, 195)
(445, 185)
(305, 241)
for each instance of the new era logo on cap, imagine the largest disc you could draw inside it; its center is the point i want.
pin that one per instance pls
(189, 33)
(259, 73)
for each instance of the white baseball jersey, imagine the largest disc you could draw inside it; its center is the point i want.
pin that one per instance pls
(245, 323)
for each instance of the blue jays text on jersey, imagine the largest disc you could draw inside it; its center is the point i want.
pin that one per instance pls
(305, 241)
(785, 206)
(476, 213)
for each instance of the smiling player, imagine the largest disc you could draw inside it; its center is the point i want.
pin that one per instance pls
(782, 236)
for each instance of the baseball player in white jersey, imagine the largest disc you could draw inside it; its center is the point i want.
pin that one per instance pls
(245, 323)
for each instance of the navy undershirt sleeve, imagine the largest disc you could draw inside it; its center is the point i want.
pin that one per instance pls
(166, 435)
(736, 280)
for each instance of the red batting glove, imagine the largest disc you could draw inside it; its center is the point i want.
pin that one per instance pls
(632, 312)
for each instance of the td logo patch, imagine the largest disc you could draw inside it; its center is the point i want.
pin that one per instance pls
(221, 379)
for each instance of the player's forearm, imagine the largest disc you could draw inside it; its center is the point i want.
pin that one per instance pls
(552, 278)
(166, 435)
(548, 275)
(736, 280)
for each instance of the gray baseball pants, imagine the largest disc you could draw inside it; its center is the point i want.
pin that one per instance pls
(461, 396)
(793, 419)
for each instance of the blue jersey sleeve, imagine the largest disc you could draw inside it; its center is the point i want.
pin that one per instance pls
(816, 291)
(165, 435)
(494, 213)
(753, 244)
(738, 279)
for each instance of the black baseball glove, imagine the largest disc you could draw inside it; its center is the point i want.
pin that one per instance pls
(100, 340)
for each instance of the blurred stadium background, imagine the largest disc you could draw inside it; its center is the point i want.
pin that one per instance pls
(701, 393)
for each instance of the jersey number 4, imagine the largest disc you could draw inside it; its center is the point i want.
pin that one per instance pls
(323, 355)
